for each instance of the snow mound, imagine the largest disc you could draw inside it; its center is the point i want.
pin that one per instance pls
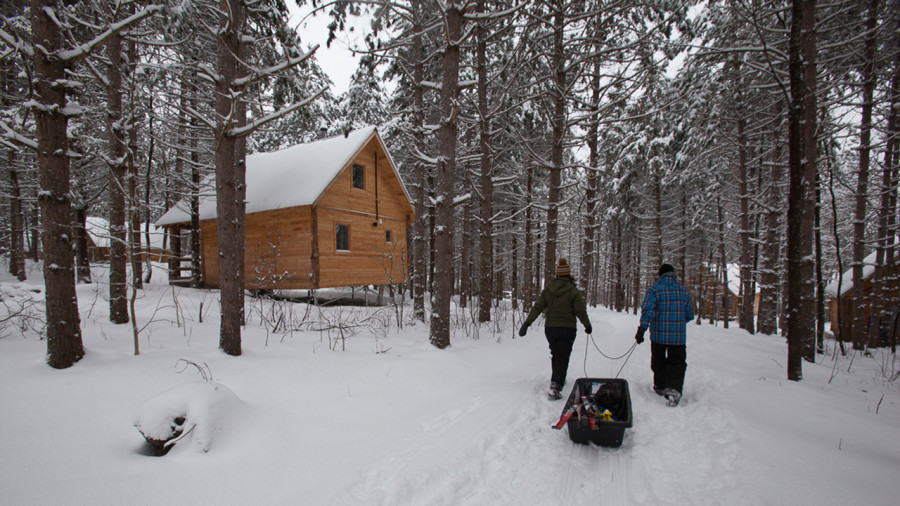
(196, 412)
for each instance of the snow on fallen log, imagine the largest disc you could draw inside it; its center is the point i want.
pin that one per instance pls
(189, 415)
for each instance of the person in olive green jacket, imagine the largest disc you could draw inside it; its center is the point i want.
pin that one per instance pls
(563, 302)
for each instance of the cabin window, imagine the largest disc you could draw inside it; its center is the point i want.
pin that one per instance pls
(359, 176)
(387, 236)
(342, 237)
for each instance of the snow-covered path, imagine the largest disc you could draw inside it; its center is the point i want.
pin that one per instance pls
(498, 448)
(394, 421)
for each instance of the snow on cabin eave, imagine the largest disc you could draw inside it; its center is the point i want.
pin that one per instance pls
(831, 289)
(268, 171)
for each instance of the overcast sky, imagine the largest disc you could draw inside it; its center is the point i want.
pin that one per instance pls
(337, 61)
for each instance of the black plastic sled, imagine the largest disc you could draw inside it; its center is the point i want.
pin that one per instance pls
(597, 411)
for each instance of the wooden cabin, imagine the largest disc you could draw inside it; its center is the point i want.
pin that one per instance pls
(709, 290)
(843, 295)
(98, 239)
(333, 212)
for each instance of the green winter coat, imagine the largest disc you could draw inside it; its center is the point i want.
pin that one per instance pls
(563, 302)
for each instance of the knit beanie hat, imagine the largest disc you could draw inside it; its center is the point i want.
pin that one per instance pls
(563, 268)
(666, 268)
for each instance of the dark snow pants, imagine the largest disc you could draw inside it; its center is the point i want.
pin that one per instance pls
(668, 364)
(560, 340)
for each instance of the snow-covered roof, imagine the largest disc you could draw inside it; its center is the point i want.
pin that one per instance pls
(734, 276)
(295, 176)
(98, 230)
(868, 270)
(734, 279)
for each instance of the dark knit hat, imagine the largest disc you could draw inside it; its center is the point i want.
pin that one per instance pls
(666, 268)
(563, 268)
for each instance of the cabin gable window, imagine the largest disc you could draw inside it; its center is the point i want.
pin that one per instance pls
(359, 176)
(387, 236)
(342, 237)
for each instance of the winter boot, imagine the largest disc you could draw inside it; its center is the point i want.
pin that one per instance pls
(673, 397)
(554, 393)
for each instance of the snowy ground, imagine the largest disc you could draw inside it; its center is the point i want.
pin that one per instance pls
(391, 420)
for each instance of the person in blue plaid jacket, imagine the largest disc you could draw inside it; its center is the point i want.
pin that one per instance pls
(666, 309)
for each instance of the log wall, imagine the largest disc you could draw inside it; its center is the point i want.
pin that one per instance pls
(284, 240)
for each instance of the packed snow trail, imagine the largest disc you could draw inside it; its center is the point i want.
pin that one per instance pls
(497, 448)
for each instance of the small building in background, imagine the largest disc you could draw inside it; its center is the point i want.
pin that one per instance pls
(98, 240)
(328, 213)
(841, 298)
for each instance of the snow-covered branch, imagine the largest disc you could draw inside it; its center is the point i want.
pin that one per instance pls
(13, 139)
(258, 74)
(16, 43)
(194, 113)
(82, 50)
(479, 16)
(251, 127)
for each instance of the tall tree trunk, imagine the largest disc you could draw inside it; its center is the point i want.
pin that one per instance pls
(134, 207)
(16, 222)
(446, 172)
(147, 180)
(657, 219)
(82, 262)
(891, 170)
(723, 264)
(820, 281)
(619, 268)
(16, 218)
(636, 263)
(465, 282)
(487, 180)
(196, 247)
(802, 164)
(860, 323)
(769, 287)
(34, 233)
(64, 344)
(529, 241)
(514, 276)
(420, 269)
(590, 192)
(118, 250)
(557, 148)
(230, 176)
(745, 318)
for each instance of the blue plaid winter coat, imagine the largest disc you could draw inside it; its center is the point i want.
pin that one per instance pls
(666, 310)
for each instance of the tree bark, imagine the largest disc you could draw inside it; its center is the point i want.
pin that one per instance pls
(134, 208)
(746, 297)
(860, 322)
(16, 222)
(802, 165)
(891, 169)
(529, 295)
(769, 287)
(64, 344)
(723, 264)
(82, 262)
(118, 250)
(590, 192)
(557, 148)
(420, 268)
(445, 180)
(487, 181)
(231, 187)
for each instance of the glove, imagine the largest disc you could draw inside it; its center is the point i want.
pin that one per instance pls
(523, 329)
(588, 329)
(639, 337)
